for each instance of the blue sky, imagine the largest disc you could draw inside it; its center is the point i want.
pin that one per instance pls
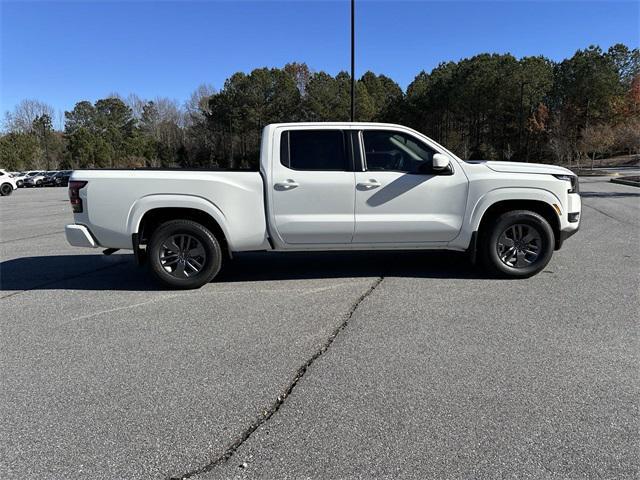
(63, 52)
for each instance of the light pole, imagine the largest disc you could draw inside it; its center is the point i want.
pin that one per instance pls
(353, 79)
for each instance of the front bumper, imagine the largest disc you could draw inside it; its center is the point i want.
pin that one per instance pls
(564, 234)
(79, 236)
(570, 223)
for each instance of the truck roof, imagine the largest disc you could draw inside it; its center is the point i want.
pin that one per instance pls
(334, 124)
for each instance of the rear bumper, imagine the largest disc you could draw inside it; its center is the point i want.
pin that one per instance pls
(79, 236)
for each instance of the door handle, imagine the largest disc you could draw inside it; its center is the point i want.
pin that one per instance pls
(370, 185)
(288, 184)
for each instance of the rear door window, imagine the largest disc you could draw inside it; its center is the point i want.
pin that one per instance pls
(314, 150)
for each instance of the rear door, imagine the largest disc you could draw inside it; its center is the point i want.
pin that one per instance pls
(313, 187)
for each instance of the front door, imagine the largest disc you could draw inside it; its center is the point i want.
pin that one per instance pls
(400, 198)
(313, 187)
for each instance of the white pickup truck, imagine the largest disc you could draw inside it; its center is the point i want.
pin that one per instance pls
(329, 186)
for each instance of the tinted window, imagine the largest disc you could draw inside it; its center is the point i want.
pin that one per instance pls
(386, 150)
(314, 150)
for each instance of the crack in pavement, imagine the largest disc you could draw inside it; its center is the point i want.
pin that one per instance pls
(275, 406)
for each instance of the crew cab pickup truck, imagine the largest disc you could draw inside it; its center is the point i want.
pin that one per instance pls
(329, 186)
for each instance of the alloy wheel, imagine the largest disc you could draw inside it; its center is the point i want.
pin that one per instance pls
(519, 245)
(182, 255)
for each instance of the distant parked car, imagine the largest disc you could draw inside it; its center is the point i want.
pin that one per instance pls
(62, 178)
(50, 178)
(34, 179)
(19, 178)
(7, 183)
(27, 177)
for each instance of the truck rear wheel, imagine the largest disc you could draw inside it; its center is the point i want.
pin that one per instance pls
(518, 244)
(184, 254)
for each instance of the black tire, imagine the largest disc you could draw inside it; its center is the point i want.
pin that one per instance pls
(39, 183)
(190, 231)
(6, 189)
(523, 259)
(20, 183)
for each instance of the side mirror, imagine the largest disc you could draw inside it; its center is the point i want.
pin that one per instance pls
(440, 161)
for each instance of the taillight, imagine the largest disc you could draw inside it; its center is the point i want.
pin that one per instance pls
(74, 195)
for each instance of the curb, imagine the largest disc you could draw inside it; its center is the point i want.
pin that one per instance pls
(596, 174)
(623, 181)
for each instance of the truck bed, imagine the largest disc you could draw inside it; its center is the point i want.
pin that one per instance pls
(114, 202)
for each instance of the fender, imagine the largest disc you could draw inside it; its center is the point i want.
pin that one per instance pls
(153, 201)
(475, 212)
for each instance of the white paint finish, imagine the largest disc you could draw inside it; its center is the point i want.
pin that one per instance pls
(574, 203)
(307, 207)
(6, 177)
(115, 201)
(318, 210)
(487, 187)
(520, 167)
(408, 208)
(324, 210)
(79, 236)
(440, 161)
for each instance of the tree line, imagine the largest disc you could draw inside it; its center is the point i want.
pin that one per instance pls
(490, 106)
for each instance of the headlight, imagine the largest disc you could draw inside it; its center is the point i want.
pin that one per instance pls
(573, 180)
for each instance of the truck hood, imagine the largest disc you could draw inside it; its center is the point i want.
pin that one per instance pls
(520, 167)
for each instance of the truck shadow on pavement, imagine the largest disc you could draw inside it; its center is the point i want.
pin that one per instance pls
(309, 265)
(119, 272)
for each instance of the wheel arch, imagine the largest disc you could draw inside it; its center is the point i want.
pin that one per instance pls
(149, 213)
(546, 210)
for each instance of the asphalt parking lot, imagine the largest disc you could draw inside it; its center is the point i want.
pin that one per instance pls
(325, 365)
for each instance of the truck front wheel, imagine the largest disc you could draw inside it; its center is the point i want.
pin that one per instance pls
(518, 244)
(184, 254)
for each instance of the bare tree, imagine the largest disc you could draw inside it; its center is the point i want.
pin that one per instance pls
(596, 140)
(169, 110)
(508, 153)
(560, 148)
(627, 136)
(136, 104)
(301, 73)
(198, 103)
(23, 115)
